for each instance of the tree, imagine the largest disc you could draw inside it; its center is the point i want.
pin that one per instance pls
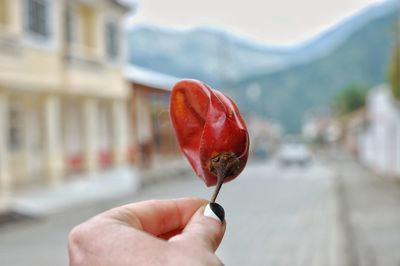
(394, 72)
(351, 98)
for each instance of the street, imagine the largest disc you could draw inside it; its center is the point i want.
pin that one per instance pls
(332, 212)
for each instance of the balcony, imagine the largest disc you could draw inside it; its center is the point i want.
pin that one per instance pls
(9, 42)
(83, 57)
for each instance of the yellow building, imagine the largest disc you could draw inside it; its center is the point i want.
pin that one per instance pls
(63, 98)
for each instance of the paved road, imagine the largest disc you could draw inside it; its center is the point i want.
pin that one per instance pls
(330, 213)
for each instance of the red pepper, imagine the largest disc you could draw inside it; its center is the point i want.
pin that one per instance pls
(210, 131)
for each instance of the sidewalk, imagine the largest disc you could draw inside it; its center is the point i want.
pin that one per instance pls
(372, 212)
(164, 169)
(84, 188)
(81, 189)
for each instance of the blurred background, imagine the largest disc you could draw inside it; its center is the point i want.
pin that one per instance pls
(84, 122)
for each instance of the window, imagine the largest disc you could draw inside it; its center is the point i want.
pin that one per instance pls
(38, 17)
(87, 19)
(16, 128)
(3, 12)
(112, 40)
(69, 36)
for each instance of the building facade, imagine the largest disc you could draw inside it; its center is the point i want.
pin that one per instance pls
(379, 141)
(63, 96)
(153, 135)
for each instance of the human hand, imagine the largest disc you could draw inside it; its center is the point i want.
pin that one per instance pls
(156, 232)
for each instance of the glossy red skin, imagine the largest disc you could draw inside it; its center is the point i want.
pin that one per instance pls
(207, 123)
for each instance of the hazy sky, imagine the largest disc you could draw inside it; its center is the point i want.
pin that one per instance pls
(275, 22)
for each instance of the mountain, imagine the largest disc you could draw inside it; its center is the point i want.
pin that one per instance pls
(287, 81)
(362, 59)
(204, 53)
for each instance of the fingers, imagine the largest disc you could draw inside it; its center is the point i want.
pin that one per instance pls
(202, 226)
(158, 217)
(204, 229)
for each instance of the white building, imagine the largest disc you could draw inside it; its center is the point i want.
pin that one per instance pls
(379, 143)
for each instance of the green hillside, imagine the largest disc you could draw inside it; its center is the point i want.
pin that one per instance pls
(287, 95)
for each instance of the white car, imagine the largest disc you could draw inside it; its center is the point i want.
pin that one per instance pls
(294, 153)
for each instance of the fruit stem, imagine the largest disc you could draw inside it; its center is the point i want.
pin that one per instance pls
(220, 181)
(223, 165)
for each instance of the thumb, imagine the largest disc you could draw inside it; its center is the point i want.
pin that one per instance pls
(206, 228)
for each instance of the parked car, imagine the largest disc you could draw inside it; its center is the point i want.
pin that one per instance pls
(294, 153)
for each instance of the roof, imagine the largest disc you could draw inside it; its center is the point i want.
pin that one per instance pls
(150, 78)
(121, 4)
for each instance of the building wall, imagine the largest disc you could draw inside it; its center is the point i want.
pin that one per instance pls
(63, 101)
(64, 67)
(380, 141)
(154, 134)
(106, 133)
(72, 129)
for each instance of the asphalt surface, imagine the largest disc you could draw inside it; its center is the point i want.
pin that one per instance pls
(332, 212)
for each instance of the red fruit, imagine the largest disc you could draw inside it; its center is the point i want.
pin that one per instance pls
(210, 131)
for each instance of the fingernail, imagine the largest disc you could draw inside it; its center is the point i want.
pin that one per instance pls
(215, 211)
